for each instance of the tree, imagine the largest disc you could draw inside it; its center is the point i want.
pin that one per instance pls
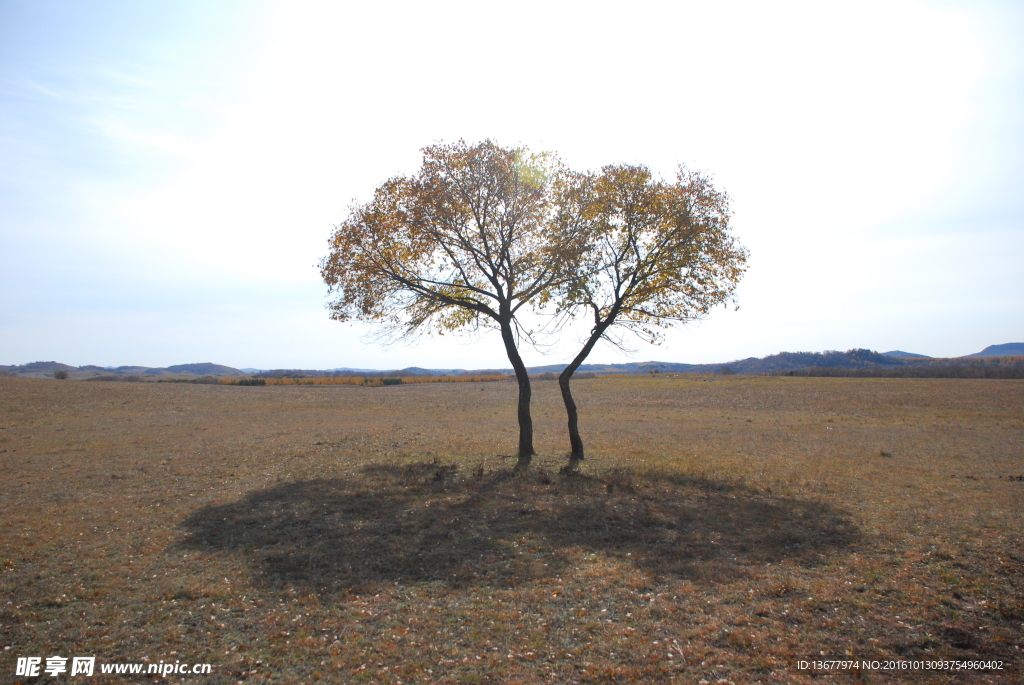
(463, 245)
(659, 254)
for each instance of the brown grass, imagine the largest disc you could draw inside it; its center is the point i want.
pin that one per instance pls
(721, 529)
(374, 381)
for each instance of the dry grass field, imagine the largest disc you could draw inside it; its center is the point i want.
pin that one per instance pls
(721, 529)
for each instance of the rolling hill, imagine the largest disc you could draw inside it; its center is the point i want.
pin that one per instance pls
(1004, 350)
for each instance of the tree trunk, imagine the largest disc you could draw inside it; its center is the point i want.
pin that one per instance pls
(526, 451)
(575, 441)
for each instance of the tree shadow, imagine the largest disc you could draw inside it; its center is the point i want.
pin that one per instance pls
(426, 523)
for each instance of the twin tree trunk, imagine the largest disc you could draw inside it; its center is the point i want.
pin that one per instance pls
(526, 451)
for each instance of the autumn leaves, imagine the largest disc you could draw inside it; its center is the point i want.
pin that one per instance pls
(483, 231)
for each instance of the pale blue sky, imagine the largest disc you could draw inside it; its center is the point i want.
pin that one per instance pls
(170, 171)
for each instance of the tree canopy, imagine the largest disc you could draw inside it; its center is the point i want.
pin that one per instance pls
(482, 231)
(658, 254)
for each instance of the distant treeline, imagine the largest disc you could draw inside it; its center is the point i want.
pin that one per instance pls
(989, 367)
(313, 373)
(202, 380)
(372, 381)
(552, 376)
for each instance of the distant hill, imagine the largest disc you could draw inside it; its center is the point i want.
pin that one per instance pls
(40, 367)
(905, 355)
(790, 361)
(203, 369)
(419, 371)
(36, 369)
(46, 370)
(1005, 350)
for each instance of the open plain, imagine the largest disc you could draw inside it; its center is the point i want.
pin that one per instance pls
(721, 528)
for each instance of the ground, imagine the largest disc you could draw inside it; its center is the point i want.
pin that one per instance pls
(722, 528)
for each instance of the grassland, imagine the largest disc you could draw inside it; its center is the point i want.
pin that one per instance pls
(722, 528)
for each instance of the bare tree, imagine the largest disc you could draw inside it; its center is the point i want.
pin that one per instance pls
(659, 254)
(465, 244)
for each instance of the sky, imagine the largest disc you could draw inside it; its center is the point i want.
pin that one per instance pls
(170, 172)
